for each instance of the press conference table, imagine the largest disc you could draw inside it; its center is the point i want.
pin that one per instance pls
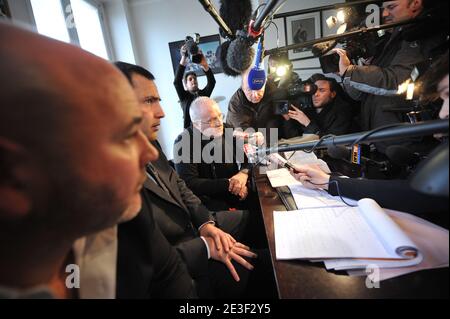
(306, 280)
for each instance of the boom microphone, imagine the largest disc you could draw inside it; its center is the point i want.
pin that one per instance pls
(240, 53)
(343, 153)
(222, 53)
(236, 14)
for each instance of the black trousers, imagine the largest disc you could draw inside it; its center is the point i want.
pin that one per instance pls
(220, 284)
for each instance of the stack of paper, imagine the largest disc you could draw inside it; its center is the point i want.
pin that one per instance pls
(352, 239)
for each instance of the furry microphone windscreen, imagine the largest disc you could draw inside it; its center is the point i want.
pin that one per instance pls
(222, 57)
(240, 55)
(236, 14)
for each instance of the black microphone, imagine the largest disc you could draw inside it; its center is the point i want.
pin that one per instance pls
(237, 54)
(343, 153)
(339, 152)
(257, 75)
(240, 53)
(402, 156)
(222, 53)
(236, 14)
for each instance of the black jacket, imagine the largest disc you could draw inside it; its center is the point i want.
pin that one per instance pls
(244, 114)
(335, 118)
(179, 214)
(376, 85)
(396, 194)
(186, 98)
(209, 180)
(148, 266)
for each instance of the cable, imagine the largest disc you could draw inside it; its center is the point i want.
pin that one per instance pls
(338, 190)
(319, 142)
(368, 134)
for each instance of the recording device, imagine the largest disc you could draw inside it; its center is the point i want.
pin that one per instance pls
(361, 46)
(257, 75)
(297, 92)
(355, 156)
(236, 54)
(329, 63)
(192, 49)
(240, 53)
(389, 133)
(358, 46)
(282, 107)
(236, 14)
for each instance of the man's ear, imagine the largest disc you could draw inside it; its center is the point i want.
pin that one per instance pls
(333, 94)
(196, 125)
(15, 199)
(416, 5)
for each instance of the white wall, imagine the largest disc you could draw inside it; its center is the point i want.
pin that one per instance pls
(271, 34)
(155, 23)
(117, 19)
(158, 22)
(22, 13)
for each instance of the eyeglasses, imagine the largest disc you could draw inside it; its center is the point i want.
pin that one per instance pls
(214, 122)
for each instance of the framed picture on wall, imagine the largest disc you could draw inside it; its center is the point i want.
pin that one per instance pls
(209, 46)
(4, 9)
(302, 28)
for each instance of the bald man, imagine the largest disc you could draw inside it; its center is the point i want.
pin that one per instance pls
(72, 159)
(255, 110)
(220, 182)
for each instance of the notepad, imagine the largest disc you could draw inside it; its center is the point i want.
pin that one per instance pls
(364, 232)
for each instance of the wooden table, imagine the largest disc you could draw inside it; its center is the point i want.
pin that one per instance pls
(301, 279)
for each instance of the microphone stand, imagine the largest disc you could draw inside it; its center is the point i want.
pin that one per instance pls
(270, 5)
(209, 7)
(350, 34)
(393, 133)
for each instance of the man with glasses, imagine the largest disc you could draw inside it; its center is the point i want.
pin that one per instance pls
(219, 178)
(207, 241)
(376, 85)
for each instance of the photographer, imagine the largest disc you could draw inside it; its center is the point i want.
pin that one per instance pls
(329, 114)
(190, 81)
(393, 194)
(376, 85)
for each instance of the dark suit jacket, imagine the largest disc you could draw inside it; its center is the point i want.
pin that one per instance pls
(179, 215)
(148, 266)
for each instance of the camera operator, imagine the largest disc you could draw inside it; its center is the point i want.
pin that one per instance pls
(376, 85)
(190, 81)
(329, 113)
(394, 194)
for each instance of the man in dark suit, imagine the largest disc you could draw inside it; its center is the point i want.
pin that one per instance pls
(205, 241)
(147, 265)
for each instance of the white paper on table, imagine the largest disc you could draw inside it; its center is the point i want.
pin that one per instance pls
(281, 177)
(307, 198)
(339, 232)
(353, 264)
(431, 240)
(302, 158)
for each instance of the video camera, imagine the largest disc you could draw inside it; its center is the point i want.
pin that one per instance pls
(295, 92)
(192, 49)
(358, 45)
(362, 46)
